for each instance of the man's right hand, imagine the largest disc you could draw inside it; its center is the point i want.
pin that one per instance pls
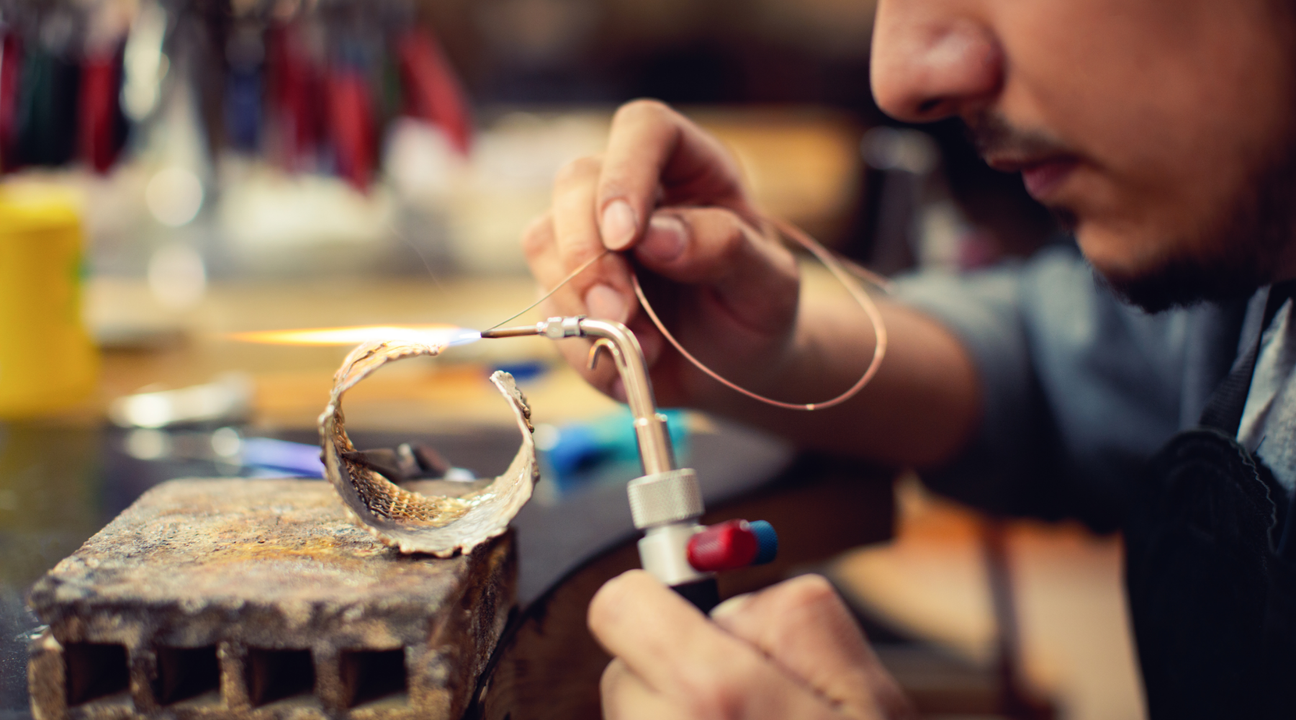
(668, 196)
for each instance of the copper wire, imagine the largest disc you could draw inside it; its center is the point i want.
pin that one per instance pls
(857, 292)
(570, 276)
(842, 270)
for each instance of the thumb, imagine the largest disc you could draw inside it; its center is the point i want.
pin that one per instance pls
(804, 626)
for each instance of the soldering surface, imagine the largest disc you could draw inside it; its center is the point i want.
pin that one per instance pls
(260, 599)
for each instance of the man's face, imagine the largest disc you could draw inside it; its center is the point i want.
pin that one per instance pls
(1163, 129)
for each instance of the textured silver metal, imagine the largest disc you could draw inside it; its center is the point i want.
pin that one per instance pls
(665, 497)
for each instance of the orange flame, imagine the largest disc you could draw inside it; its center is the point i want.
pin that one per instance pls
(438, 333)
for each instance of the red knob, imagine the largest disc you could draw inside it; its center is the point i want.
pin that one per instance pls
(727, 546)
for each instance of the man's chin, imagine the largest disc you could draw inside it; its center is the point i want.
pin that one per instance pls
(1227, 264)
(1183, 282)
(1246, 242)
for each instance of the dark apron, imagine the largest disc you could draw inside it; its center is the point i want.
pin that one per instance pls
(1211, 571)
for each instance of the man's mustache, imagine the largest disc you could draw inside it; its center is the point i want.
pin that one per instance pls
(993, 135)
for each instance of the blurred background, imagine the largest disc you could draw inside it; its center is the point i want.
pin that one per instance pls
(178, 172)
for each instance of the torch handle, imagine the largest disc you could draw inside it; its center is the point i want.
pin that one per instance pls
(704, 593)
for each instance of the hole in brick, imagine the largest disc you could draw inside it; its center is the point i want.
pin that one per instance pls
(94, 671)
(187, 673)
(275, 675)
(371, 675)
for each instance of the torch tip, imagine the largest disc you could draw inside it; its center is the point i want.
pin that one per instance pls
(504, 332)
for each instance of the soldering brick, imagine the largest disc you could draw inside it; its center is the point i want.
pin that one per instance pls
(261, 599)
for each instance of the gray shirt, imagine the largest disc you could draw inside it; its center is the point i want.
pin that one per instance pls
(1268, 427)
(1079, 389)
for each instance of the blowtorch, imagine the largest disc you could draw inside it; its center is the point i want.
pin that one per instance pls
(666, 503)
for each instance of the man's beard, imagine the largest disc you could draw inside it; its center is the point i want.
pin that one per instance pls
(1227, 261)
(1230, 260)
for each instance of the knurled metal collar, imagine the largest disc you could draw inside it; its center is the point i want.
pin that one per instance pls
(664, 498)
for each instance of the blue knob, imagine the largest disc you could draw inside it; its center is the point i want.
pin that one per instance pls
(766, 540)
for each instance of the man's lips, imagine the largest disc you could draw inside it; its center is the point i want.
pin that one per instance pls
(1042, 176)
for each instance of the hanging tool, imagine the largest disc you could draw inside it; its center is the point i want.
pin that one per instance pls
(666, 503)
(351, 115)
(11, 60)
(102, 127)
(431, 90)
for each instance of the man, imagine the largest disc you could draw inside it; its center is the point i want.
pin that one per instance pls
(1162, 131)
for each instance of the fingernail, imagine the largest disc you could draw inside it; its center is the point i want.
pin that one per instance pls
(604, 303)
(618, 226)
(730, 606)
(664, 240)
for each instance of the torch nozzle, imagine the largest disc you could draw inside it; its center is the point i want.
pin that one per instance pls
(507, 332)
(650, 427)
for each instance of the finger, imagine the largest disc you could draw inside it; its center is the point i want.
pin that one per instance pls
(699, 669)
(659, 636)
(754, 276)
(547, 265)
(541, 252)
(539, 245)
(604, 288)
(805, 627)
(624, 696)
(540, 248)
(573, 210)
(655, 154)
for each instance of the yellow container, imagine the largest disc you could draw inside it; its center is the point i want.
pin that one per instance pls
(47, 360)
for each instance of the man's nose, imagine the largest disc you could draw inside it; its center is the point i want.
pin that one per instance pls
(929, 62)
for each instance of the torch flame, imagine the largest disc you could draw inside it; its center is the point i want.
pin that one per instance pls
(439, 334)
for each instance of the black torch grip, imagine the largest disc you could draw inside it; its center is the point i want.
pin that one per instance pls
(704, 593)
